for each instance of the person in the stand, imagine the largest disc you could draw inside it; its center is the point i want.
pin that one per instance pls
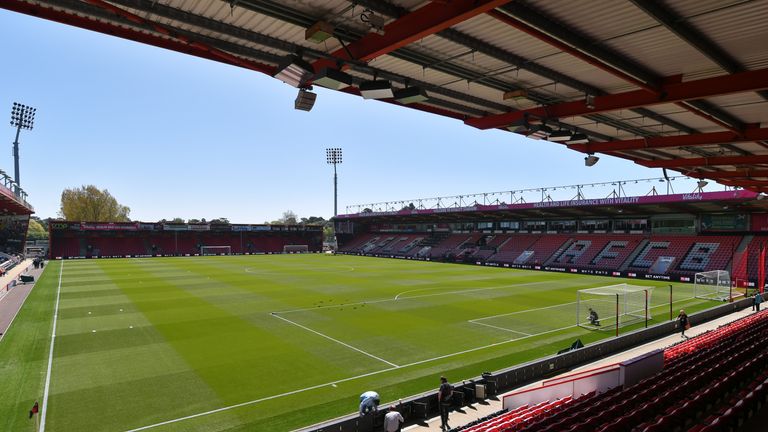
(393, 420)
(444, 394)
(593, 318)
(369, 403)
(682, 321)
(756, 301)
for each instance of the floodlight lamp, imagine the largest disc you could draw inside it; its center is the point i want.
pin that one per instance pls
(591, 160)
(377, 89)
(578, 138)
(294, 71)
(410, 95)
(701, 183)
(332, 79)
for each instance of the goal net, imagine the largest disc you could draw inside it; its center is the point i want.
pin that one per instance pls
(295, 249)
(613, 306)
(215, 250)
(713, 285)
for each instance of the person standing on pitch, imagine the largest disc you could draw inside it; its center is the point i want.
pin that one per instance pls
(444, 394)
(682, 321)
(393, 420)
(756, 301)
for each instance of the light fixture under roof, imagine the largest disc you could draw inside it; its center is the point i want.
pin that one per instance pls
(319, 32)
(410, 95)
(305, 100)
(377, 89)
(332, 79)
(294, 71)
(560, 136)
(701, 183)
(590, 160)
(578, 138)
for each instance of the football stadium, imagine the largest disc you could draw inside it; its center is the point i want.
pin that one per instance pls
(628, 304)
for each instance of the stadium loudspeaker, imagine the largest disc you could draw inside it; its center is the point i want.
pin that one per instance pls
(591, 160)
(305, 100)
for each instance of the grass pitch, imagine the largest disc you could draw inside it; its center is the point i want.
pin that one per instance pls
(274, 342)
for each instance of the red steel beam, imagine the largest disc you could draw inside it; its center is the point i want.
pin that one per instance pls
(596, 62)
(417, 106)
(746, 174)
(744, 183)
(425, 21)
(705, 161)
(538, 34)
(673, 141)
(170, 41)
(722, 85)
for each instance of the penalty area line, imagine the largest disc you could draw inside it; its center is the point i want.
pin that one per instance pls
(293, 392)
(500, 328)
(335, 340)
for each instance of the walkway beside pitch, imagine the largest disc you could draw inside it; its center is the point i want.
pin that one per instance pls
(487, 407)
(12, 298)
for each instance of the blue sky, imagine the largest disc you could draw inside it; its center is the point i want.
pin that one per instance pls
(172, 135)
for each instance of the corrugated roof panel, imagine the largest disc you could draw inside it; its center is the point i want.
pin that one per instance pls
(505, 37)
(601, 20)
(740, 30)
(691, 8)
(587, 73)
(660, 50)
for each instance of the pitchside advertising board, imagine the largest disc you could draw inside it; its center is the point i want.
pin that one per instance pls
(558, 269)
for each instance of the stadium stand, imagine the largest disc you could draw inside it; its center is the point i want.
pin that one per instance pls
(75, 239)
(733, 357)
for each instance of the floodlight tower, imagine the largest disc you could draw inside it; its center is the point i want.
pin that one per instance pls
(333, 156)
(22, 117)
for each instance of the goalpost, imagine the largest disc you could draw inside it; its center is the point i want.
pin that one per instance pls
(296, 248)
(714, 285)
(613, 306)
(215, 250)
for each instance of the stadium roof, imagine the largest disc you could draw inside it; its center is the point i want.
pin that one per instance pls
(681, 85)
(740, 201)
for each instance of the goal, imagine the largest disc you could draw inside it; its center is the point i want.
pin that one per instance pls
(215, 250)
(713, 285)
(614, 306)
(295, 249)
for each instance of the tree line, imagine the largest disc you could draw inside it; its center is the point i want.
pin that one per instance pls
(88, 203)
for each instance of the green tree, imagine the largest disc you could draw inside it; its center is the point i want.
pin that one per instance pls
(289, 218)
(313, 220)
(36, 231)
(89, 203)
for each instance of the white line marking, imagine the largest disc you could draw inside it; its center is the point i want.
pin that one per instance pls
(522, 311)
(8, 329)
(406, 298)
(397, 297)
(46, 392)
(335, 340)
(500, 328)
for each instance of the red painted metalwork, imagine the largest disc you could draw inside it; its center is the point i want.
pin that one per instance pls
(418, 24)
(698, 89)
(538, 34)
(706, 161)
(168, 41)
(673, 141)
(746, 173)
(417, 106)
(651, 87)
